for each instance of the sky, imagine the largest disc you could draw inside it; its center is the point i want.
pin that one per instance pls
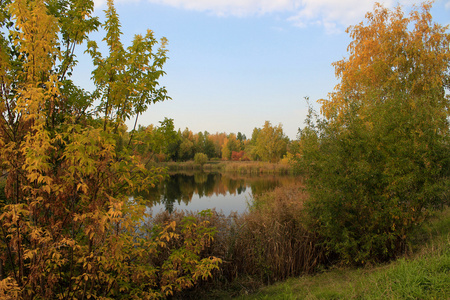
(233, 64)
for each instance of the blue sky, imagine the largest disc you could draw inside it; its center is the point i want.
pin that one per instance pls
(233, 64)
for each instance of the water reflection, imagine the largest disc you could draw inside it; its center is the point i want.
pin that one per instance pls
(198, 191)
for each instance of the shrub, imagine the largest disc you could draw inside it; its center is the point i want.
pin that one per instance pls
(181, 258)
(236, 156)
(200, 158)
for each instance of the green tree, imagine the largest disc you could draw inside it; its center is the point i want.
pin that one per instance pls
(168, 139)
(208, 145)
(250, 147)
(378, 160)
(186, 150)
(242, 139)
(271, 143)
(204, 144)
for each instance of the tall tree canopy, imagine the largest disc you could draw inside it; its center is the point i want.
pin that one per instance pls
(391, 55)
(379, 159)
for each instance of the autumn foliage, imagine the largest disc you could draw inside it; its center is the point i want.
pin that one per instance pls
(69, 228)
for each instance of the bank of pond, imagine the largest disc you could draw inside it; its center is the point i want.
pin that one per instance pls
(234, 167)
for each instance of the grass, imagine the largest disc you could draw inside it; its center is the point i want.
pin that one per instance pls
(425, 274)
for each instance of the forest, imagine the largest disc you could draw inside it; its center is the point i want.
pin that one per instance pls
(374, 160)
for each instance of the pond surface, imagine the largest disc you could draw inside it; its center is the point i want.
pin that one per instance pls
(200, 191)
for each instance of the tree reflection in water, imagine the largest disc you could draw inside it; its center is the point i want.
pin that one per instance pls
(179, 190)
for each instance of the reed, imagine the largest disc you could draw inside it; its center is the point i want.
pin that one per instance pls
(254, 167)
(273, 242)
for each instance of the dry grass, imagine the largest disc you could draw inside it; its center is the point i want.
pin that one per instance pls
(273, 236)
(236, 167)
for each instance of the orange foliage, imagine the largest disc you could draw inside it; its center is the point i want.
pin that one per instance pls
(385, 56)
(239, 156)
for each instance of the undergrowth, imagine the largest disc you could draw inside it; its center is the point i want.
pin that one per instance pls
(421, 274)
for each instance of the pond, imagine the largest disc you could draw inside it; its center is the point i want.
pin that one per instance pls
(200, 191)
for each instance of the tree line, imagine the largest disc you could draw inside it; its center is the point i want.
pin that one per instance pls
(164, 143)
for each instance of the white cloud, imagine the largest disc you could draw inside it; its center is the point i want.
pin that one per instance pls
(221, 7)
(333, 15)
(231, 7)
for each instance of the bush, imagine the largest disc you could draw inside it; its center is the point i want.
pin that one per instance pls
(181, 255)
(200, 158)
(370, 188)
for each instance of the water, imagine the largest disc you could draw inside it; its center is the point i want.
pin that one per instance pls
(200, 191)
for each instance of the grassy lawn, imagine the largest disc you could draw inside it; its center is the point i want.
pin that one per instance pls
(423, 275)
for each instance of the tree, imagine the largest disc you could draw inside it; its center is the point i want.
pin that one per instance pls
(231, 143)
(386, 59)
(250, 148)
(127, 80)
(242, 139)
(218, 140)
(238, 156)
(378, 161)
(271, 143)
(168, 140)
(144, 141)
(186, 149)
(68, 226)
(204, 144)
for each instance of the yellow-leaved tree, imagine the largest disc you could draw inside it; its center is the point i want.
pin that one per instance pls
(69, 228)
(391, 55)
(271, 143)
